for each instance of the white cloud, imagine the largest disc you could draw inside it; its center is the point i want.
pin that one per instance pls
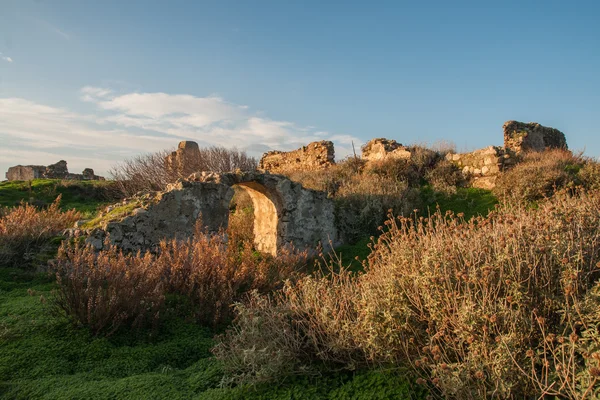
(133, 123)
(6, 58)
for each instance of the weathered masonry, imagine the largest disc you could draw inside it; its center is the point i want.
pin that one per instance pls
(285, 213)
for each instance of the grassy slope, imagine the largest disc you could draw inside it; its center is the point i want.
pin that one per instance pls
(469, 201)
(43, 357)
(85, 196)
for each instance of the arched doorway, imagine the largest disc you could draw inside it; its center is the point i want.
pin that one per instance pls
(266, 209)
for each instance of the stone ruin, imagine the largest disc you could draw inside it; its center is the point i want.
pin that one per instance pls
(520, 137)
(285, 213)
(315, 155)
(484, 166)
(381, 149)
(187, 153)
(52, 171)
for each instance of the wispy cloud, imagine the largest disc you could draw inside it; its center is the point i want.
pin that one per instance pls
(133, 123)
(53, 28)
(6, 58)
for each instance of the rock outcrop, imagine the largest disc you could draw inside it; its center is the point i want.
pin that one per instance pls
(285, 213)
(520, 137)
(52, 171)
(380, 149)
(314, 156)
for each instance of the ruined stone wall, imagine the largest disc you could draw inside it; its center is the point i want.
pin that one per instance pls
(483, 166)
(316, 155)
(380, 149)
(521, 136)
(52, 171)
(25, 172)
(285, 213)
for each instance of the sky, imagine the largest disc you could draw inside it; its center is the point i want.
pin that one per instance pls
(96, 82)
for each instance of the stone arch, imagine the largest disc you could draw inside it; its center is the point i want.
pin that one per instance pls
(285, 213)
(267, 210)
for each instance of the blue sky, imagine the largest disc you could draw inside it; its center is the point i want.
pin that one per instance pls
(94, 82)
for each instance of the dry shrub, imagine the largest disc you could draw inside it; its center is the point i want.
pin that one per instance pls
(108, 289)
(149, 172)
(363, 194)
(214, 275)
(538, 175)
(25, 229)
(497, 307)
(589, 175)
(445, 177)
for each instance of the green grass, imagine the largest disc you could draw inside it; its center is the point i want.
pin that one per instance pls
(469, 201)
(42, 356)
(84, 196)
(116, 214)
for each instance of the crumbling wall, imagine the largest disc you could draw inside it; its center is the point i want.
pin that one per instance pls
(52, 171)
(380, 149)
(483, 166)
(315, 155)
(285, 213)
(531, 136)
(25, 172)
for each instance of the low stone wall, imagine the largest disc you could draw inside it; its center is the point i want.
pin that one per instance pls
(531, 136)
(483, 166)
(315, 155)
(380, 149)
(285, 213)
(52, 171)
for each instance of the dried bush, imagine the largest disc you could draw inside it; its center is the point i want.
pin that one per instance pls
(214, 275)
(149, 172)
(538, 175)
(589, 174)
(445, 177)
(363, 194)
(106, 290)
(498, 307)
(25, 229)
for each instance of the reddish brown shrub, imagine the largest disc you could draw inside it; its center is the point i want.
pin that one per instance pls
(214, 275)
(25, 229)
(108, 289)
